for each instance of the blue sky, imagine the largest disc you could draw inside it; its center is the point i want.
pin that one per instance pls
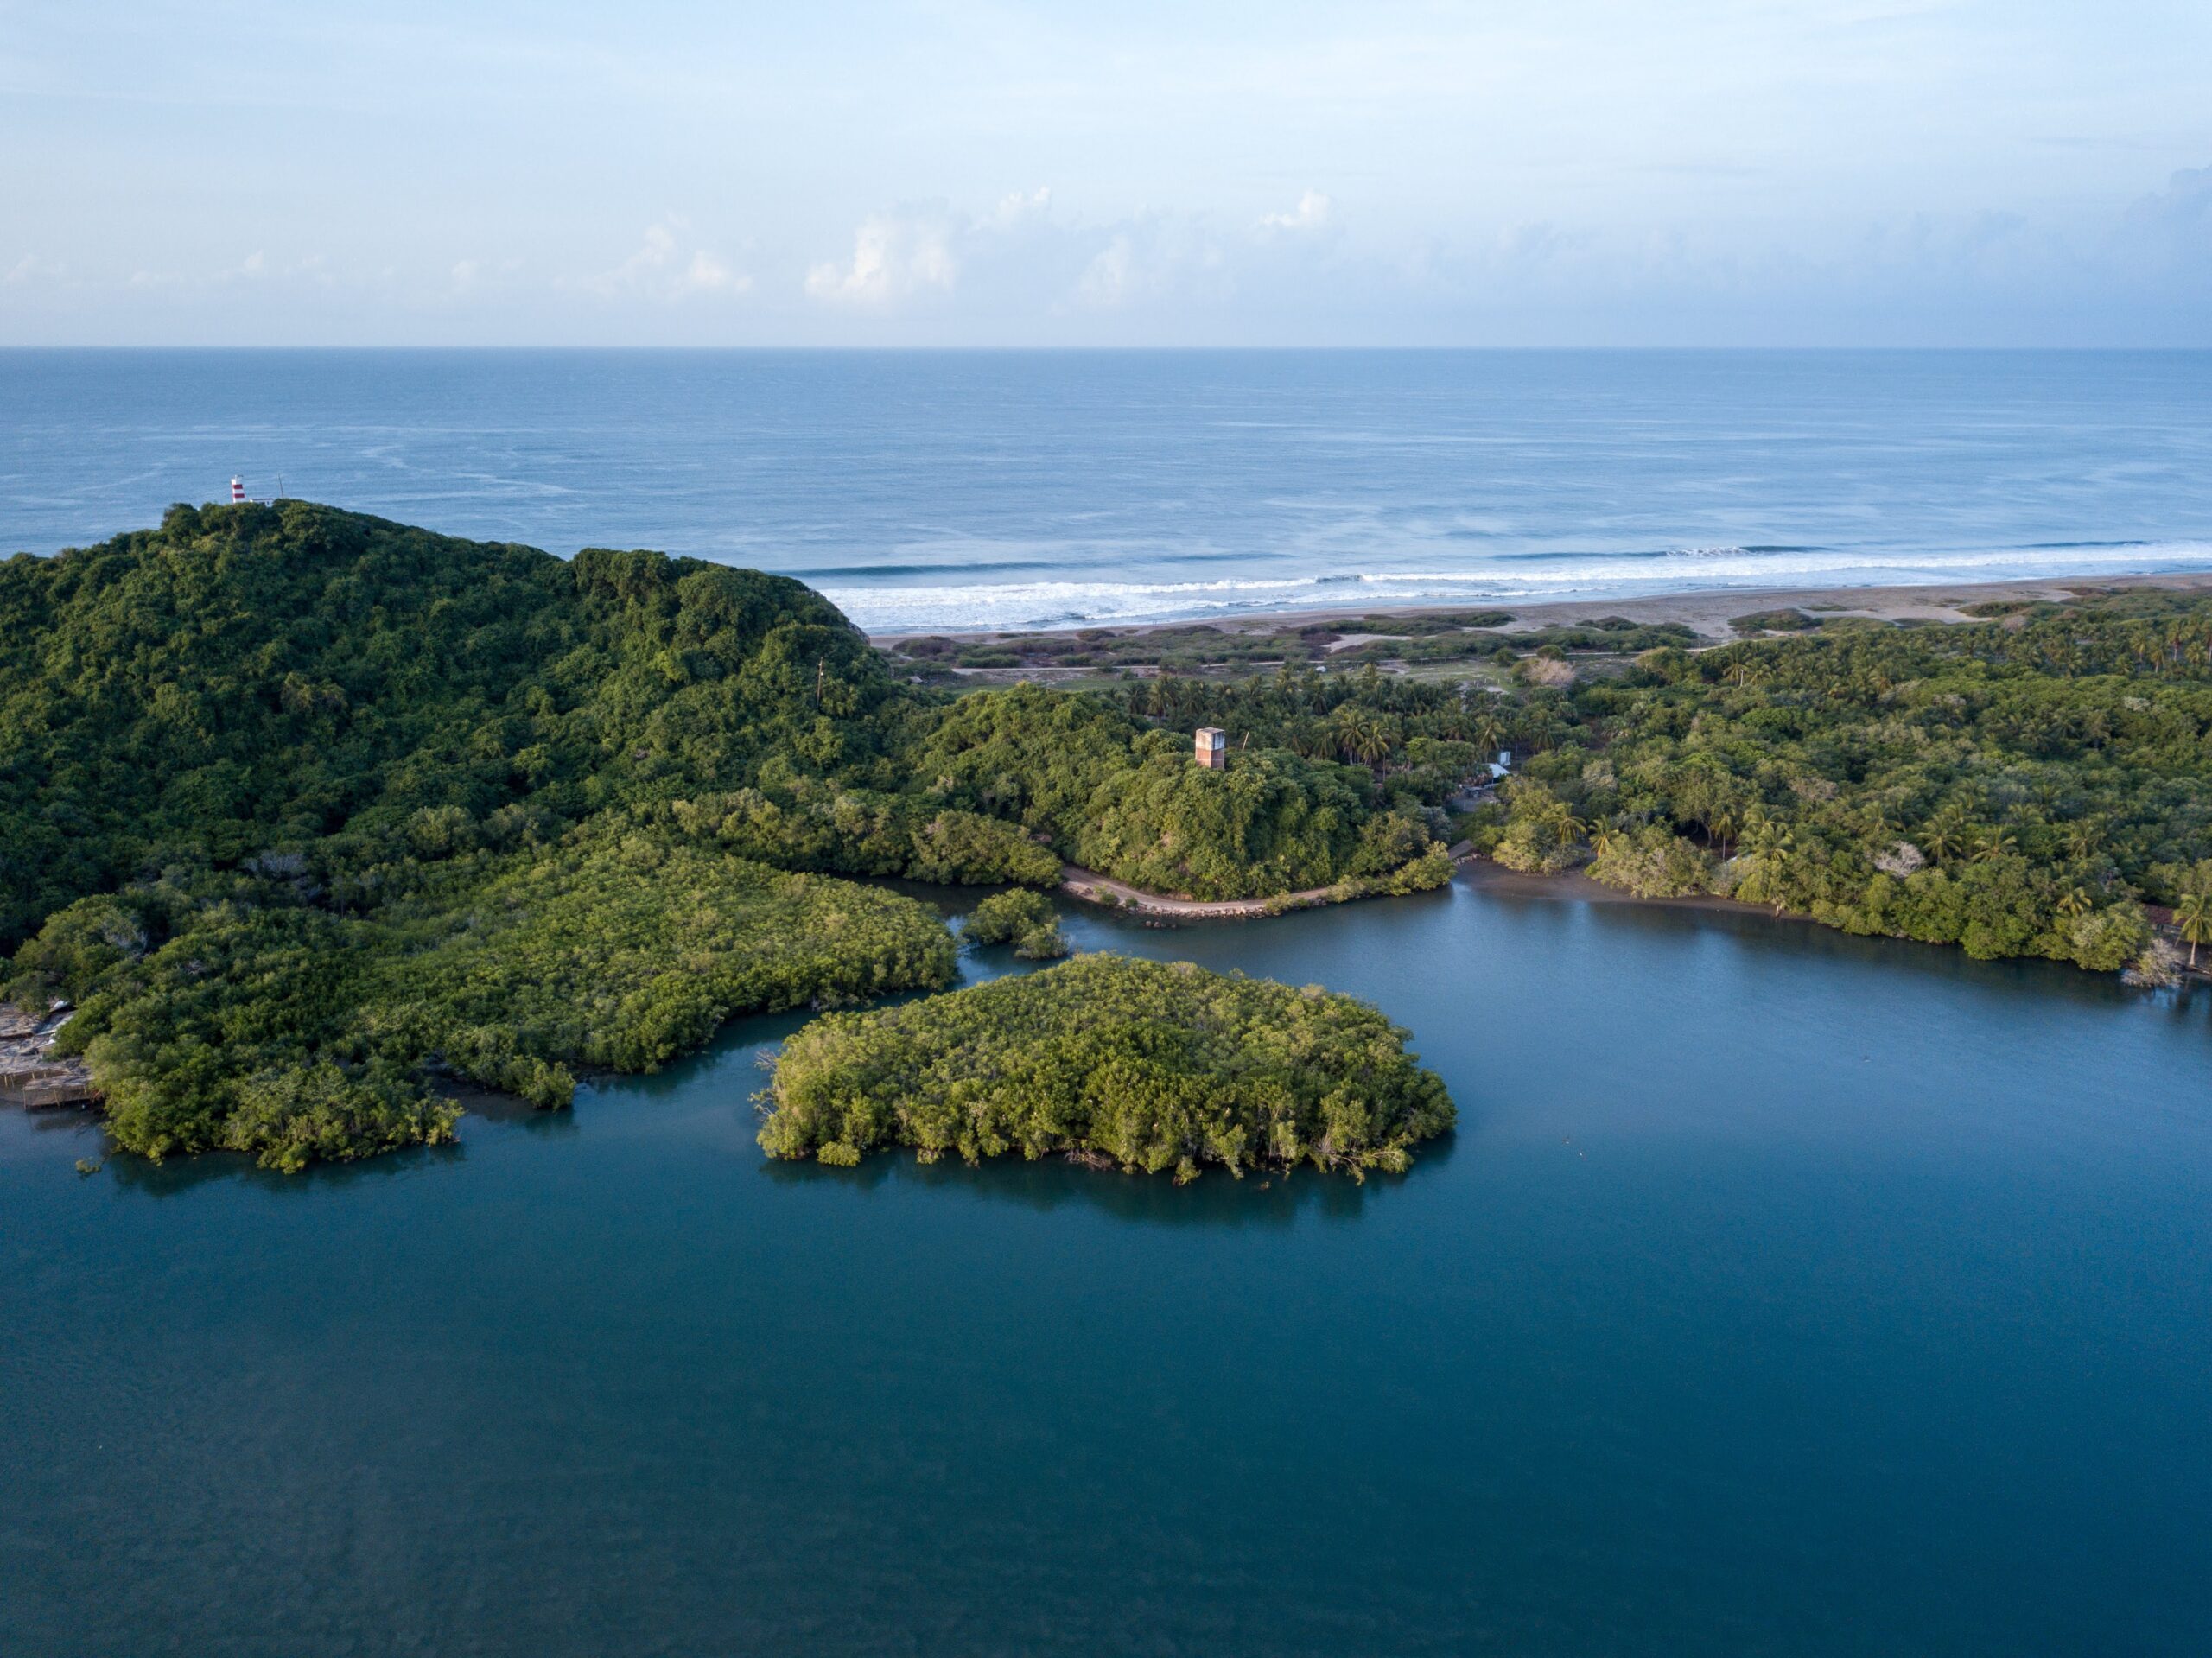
(956, 172)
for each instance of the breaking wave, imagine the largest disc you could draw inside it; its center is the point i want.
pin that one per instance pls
(904, 607)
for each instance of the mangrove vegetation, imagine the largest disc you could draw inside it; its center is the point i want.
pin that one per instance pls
(1163, 1068)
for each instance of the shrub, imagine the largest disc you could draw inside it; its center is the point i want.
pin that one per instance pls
(1026, 920)
(1786, 620)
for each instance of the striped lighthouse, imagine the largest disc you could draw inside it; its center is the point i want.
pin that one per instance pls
(238, 491)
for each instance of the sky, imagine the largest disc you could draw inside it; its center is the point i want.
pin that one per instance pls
(957, 174)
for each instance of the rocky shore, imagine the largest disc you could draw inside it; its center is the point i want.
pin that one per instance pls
(30, 1073)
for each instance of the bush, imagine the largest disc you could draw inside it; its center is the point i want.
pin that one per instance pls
(1026, 920)
(1652, 863)
(1787, 620)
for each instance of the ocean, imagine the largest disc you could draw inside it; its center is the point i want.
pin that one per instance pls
(947, 490)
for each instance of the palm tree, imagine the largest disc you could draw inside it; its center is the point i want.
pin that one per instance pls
(1347, 729)
(1722, 824)
(2194, 912)
(1994, 843)
(2073, 902)
(1765, 836)
(1767, 844)
(1944, 835)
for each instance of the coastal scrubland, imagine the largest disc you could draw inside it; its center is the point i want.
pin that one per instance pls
(1144, 1065)
(1339, 642)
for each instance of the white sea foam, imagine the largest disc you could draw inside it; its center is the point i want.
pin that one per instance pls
(915, 606)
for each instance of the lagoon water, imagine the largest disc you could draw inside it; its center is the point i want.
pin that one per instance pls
(1780, 1293)
(972, 489)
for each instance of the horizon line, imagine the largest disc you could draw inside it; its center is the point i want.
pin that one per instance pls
(937, 349)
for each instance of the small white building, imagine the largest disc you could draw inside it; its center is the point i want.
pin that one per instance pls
(1212, 751)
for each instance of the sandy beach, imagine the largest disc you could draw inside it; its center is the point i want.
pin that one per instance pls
(1707, 610)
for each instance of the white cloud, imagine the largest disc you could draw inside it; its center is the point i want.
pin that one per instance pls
(2184, 207)
(893, 255)
(1311, 214)
(1020, 205)
(1108, 279)
(30, 268)
(1162, 259)
(707, 275)
(659, 269)
(651, 258)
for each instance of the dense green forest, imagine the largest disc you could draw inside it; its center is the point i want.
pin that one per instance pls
(2021, 786)
(301, 804)
(253, 679)
(1153, 1066)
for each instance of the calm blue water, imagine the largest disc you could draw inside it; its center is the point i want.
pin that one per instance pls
(1780, 1293)
(970, 489)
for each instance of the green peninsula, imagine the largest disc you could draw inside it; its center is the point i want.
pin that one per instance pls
(228, 1013)
(1151, 1066)
(304, 810)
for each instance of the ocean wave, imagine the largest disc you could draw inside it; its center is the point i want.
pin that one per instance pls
(1070, 602)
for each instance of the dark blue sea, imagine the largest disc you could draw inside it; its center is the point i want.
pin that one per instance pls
(967, 489)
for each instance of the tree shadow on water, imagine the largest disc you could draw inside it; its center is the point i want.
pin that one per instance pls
(1266, 1198)
(60, 1119)
(487, 1105)
(175, 1176)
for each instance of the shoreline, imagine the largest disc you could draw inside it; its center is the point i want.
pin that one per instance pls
(1706, 610)
(1481, 873)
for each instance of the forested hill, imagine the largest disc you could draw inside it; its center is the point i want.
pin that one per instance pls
(247, 677)
(303, 681)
